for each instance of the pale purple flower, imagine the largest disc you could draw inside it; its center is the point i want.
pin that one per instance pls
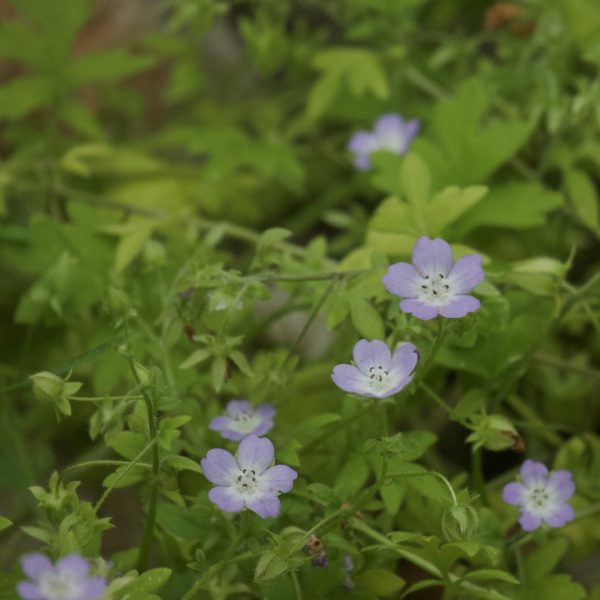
(390, 133)
(348, 568)
(68, 579)
(247, 480)
(434, 284)
(376, 373)
(243, 419)
(542, 496)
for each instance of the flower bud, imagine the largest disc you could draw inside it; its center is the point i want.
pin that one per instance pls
(118, 302)
(47, 387)
(494, 432)
(459, 522)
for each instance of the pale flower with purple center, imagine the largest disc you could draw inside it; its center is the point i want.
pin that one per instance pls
(243, 419)
(434, 284)
(247, 480)
(377, 373)
(390, 132)
(541, 496)
(68, 579)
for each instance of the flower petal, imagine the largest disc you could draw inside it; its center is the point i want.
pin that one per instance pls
(389, 123)
(419, 309)
(533, 473)
(513, 493)
(411, 128)
(432, 257)
(29, 591)
(560, 516)
(35, 564)
(265, 411)
(396, 386)
(255, 453)
(371, 354)
(351, 380)
(263, 428)
(219, 467)
(466, 274)
(237, 407)
(561, 483)
(220, 423)
(74, 565)
(402, 279)
(232, 434)
(264, 506)
(529, 521)
(459, 306)
(405, 359)
(278, 479)
(226, 498)
(94, 588)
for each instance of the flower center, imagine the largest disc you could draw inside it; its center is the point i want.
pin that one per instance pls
(377, 374)
(59, 586)
(246, 421)
(435, 287)
(389, 141)
(247, 481)
(539, 500)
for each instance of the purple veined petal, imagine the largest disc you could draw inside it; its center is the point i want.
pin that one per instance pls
(513, 493)
(529, 521)
(264, 506)
(533, 473)
(361, 143)
(466, 273)
(73, 564)
(351, 380)
(560, 516)
(419, 309)
(29, 591)
(263, 428)
(219, 467)
(35, 564)
(405, 358)
(265, 411)
(220, 423)
(402, 383)
(255, 453)
(432, 257)
(459, 306)
(402, 279)
(226, 498)
(368, 354)
(237, 407)
(94, 588)
(389, 123)
(278, 479)
(561, 483)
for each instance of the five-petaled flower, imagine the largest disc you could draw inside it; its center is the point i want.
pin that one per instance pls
(390, 133)
(247, 480)
(68, 579)
(542, 496)
(242, 419)
(376, 373)
(434, 284)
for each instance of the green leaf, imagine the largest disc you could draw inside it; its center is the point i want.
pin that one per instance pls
(380, 582)
(352, 475)
(544, 559)
(23, 95)
(583, 197)
(270, 566)
(147, 582)
(195, 358)
(4, 523)
(552, 587)
(241, 362)
(491, 574)
(517, 205)
(127, 443)
(366, 319)
(108, 66)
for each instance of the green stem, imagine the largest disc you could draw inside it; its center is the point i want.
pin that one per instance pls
(562, 365)
(103, 463)
(431, 474)
(523, 410)
(296, 583)
(228, 558)
(309, 321)
(587, 511)
(477, 474)
(577, 295)
(130, 466)
(441, 403)
(101, 398)
(310, 276)
(153, 482)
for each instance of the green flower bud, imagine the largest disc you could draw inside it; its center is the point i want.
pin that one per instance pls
(494, 432)
(47, 387)
(118, 302)
(459, 522)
